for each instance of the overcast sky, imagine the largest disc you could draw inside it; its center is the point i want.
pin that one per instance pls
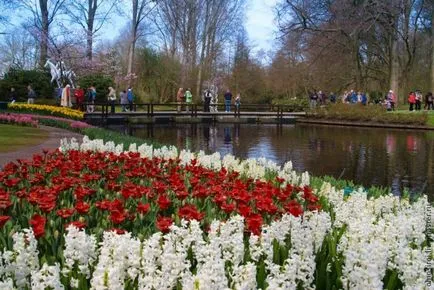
(260, 24)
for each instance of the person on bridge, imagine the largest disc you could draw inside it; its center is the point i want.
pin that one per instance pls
(179, 98)
(112, 99)
(66, 97)
(124, 100)
(79, 97)
(130, 97)
(206, 100)
(188, 99)
(228, 101)
(237, 103)
(91, 97)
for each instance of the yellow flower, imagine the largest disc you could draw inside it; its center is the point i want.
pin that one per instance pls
(48, 110)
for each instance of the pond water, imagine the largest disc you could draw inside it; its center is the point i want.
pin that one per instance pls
(384, 157)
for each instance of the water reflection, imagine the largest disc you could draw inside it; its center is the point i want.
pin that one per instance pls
(394, 158)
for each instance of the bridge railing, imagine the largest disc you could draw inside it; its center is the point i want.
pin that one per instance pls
(185, 109)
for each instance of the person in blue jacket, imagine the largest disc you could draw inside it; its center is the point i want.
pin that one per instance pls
(130, 97)
(364, 100)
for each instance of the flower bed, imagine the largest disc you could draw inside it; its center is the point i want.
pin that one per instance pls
(46, 110)
(18, 119)
(92, 215)
(35, 120)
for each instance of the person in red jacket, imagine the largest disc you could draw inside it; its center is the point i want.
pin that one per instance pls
(79, 97)
(412, 100)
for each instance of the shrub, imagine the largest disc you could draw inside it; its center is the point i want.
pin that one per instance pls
(20, 79)
(293, 104)
(376, 114)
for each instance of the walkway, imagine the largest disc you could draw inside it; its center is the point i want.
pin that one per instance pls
(53, 142)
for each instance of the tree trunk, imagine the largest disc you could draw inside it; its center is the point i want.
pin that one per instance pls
(93, 5)
(43, 42)
(394, 67)
(357, 67)
(202, 53)
(131, 56)
(133, 38)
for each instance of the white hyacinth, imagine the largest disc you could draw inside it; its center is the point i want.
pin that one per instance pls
(24, 259)
(145, 151)
(80, 250)
(48, 277)
(113, 262)
(186, 156)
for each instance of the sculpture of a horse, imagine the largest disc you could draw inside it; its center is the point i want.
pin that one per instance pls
(70, 76)
(55, 73)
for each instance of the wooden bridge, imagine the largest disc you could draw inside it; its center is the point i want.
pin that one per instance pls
(193, 113)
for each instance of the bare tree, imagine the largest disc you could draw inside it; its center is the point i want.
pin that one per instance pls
(90, 15)
(19, 49)
(195, 31)
(140, 10)
(380, 36)
(43, 14)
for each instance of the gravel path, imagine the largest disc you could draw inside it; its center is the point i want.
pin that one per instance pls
(51, 143)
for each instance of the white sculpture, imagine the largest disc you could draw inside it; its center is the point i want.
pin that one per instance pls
(55, 73)
(70, 76)
(59, 71)
(214, 99)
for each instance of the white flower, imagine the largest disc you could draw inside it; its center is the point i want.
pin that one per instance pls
(80, 250)
(48, 277)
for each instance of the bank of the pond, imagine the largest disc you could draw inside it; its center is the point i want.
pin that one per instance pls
(363, 124)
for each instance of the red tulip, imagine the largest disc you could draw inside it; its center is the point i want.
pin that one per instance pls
(3, 220)
(82, 207)
(65, 212)
(143, 208)
(164, 223)
(38, 224)
(78, 224)
(163, 202)
(117, 217)
(190, 212)
(117, 231)
(294, 208)
(254, 223)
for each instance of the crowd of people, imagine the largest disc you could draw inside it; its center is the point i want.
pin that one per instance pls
(88, 97)
(415, 99)
(209, 100)
(348, 97)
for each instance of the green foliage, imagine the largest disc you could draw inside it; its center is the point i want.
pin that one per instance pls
(375, 97)
(294, 104)
(159, 74)
(20, 79)
(101, 83)
(372, 114)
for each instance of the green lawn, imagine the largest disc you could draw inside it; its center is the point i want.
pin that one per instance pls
(429, 122)
(14, 137)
